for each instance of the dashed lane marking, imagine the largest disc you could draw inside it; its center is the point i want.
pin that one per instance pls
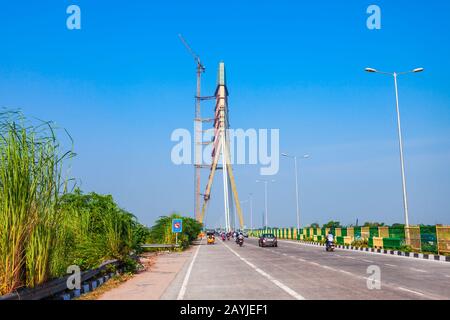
(368, 261)
(279, 284)
(411, 291)
(418, 270)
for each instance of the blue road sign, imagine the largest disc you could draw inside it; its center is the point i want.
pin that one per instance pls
(177, 225)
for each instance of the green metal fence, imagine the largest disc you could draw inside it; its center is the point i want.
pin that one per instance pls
(357, 232)
(392, 243)
(428, 239)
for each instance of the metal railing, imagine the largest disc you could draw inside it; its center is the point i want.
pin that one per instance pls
(56, 286)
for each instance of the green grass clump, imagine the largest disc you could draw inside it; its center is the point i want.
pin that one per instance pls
(30, 183)
(44, 229)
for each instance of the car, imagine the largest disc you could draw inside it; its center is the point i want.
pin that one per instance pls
(267, 240)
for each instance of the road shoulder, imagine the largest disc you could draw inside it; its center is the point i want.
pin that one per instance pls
(153, 282)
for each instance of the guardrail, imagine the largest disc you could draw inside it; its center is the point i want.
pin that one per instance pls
(55, 286)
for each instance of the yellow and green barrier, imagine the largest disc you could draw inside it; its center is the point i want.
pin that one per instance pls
(427, 239)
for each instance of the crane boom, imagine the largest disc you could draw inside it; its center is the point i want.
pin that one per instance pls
(188, 47)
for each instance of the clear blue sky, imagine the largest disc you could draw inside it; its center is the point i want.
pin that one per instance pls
(124, 82)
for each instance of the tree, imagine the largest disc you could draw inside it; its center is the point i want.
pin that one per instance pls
(373, 224)
(332, 224)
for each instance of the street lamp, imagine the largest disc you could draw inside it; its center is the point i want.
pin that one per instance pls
(251, 211)
(395, 75)
(242, 202)
(306, 156)
(250, 200)
(265, 198)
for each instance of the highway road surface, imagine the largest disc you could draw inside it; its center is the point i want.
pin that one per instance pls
(300, 271)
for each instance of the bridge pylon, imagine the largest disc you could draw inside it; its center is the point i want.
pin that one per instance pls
(221, 150)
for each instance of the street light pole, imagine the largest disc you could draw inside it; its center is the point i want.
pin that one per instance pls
(400, 139)
(296, 185)
(296, 193)
(265, 201)
(402, 164)
(251, 211)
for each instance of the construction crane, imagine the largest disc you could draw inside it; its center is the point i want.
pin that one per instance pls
(197, 129)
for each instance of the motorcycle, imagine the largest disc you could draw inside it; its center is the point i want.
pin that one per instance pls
(330, 246)
(240, 240)
(223, 237)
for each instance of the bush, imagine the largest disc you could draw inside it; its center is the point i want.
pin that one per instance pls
(161, 232)
(96, 229)
(405, 248)
(364, 243)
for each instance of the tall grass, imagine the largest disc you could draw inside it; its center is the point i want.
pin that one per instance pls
(44, 229)
(30, 182)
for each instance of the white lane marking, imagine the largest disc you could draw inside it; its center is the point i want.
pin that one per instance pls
(368, 261)
(390, 265)
(447, 276)
(391, 286)
(188, 274)
(418, 270)
(269, 277)
(349, 273)
(367, 252)
(315, 264)
(329, 268)
(411, 291)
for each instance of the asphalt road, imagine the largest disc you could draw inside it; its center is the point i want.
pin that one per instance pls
(226, 271)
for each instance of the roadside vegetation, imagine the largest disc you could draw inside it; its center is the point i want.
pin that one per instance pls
(44, 228)
(161, 232)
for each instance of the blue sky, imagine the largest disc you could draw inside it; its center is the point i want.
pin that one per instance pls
(124, 82)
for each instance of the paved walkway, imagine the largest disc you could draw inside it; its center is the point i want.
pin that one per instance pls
(151, 284)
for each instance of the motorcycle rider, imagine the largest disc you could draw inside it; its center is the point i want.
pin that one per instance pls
(240, 238)
(329, 239)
